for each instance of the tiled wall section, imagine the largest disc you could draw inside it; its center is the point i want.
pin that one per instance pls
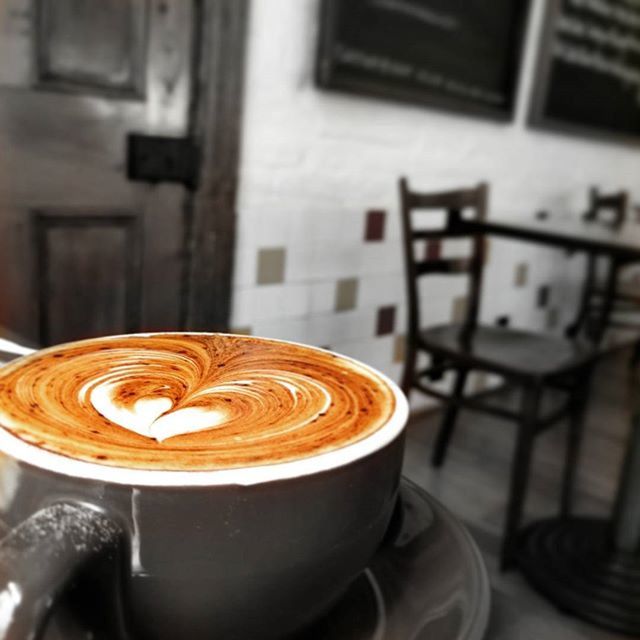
(318, 254)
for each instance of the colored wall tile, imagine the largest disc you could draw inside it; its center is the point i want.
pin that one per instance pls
(346, 294)
(433, 250)
(399, 348)
(480, 381)
(386, 320)
(374, 226)
(459, 309)
(242, 331)
(270, 269)
(543, 294)
(322, 297)
(521, 274)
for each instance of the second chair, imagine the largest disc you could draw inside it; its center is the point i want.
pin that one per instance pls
(601, 309)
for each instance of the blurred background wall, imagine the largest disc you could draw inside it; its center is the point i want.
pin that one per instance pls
(318, 256)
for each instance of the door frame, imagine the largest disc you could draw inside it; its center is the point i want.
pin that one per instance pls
(215, 122)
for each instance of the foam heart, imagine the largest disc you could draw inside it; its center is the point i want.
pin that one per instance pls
(152, 417)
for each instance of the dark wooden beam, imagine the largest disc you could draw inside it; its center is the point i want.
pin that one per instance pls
(210, 215)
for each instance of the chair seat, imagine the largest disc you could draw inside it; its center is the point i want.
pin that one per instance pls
(507, 351)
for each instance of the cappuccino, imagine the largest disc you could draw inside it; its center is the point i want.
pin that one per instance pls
(191, 401)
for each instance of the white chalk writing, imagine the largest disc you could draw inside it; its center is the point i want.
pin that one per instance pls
(387, 66)
(603, 37)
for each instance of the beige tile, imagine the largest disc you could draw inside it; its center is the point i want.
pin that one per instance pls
(521, 274)
(242, 331)
(271, 265)
(480, 381)
(399, 348)
(459, 309)
(346, 294)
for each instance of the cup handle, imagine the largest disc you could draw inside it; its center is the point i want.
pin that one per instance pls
(40, 556)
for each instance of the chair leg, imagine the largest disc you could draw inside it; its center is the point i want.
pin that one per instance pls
(520, 470)
(449, 419)
(587, 291)
(635, 355)
(576, 423)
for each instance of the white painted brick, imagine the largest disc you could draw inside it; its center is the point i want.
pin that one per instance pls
(456, 248)
(375, 352)
(401, 319)
(244, 270)
(242, 307)
(268, 302)
(442, 286)
(380, 257)
(346, 326)
(323, 297)
(435, 309)
(330, 262)
(381, 290)
(294, 329)
(313, 162)
(299, 267)
(281, 301)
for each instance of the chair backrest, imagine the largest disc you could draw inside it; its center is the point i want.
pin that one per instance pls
(608, 208)
(453, 203)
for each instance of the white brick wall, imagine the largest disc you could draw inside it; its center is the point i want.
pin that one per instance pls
(313, 162)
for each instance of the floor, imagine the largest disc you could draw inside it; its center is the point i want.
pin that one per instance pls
(473, 482)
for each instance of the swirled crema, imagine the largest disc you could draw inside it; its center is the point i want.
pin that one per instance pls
(190, 401)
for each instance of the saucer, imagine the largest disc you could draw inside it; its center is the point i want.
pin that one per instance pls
(428, 580)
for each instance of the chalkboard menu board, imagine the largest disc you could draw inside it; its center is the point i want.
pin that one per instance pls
(588, 79)
(462, 55)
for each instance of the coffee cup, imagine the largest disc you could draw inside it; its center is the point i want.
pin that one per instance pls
(153, 530)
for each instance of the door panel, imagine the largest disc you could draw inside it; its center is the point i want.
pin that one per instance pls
(163, 239)
(84, 284)
(85, 45)
(88, 272)
(76, 77)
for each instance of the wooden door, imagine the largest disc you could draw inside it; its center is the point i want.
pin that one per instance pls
(83, 249)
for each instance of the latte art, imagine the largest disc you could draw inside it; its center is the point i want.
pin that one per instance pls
(169, 410)
(190, 401)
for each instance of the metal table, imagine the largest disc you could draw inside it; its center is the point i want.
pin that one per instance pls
(619, 244)
(589, 567)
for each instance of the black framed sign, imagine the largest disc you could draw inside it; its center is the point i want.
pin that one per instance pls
(588, 77)
(461, 55)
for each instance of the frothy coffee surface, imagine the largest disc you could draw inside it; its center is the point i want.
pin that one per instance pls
(190, 402)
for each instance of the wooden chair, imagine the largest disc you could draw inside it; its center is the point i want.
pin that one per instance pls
(601, 204)
(611, 210)
(530, 360)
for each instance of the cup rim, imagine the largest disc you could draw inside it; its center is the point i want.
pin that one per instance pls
(25, 452)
